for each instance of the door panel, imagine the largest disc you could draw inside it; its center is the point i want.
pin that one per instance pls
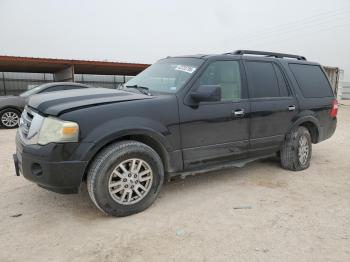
(270, 120)
(214, 132)
(272, 106)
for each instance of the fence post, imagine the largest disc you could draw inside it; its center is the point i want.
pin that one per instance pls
(3, 81)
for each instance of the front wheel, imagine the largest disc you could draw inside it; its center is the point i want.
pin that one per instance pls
(297, 150)
(125, 178)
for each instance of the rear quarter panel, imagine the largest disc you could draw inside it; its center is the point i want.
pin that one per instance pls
(316, 108)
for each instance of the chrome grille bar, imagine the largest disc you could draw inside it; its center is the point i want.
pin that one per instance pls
(29, 126)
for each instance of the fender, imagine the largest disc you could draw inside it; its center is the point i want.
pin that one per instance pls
(115, 130)
(304, 117)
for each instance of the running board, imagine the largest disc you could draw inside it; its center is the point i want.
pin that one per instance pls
(238, 163)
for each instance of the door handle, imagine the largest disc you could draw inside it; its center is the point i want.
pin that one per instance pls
(238, 112)
(291, 108)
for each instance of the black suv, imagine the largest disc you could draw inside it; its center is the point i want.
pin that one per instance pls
(181, 116)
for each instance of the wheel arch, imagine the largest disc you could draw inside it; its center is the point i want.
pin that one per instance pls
(146, 137)
(311, 123)
(11, 107)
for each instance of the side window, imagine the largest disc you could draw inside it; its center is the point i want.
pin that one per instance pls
(53, 88)
(227, 75)
(312, 81)
(284, 91)
(262, 80)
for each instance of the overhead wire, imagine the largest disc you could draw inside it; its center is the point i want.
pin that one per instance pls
(301, 24)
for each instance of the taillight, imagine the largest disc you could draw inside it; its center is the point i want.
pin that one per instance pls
(335, 107)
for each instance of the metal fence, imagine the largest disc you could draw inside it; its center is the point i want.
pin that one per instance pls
(15, 83)
(346, 91)
(107, 81)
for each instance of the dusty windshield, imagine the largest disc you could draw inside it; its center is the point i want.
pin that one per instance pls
(167, 75)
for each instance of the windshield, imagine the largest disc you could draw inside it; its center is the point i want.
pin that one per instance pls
(31, 91)
(167, 75)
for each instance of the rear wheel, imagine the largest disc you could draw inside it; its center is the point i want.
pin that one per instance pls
(297, 150)
(9, 118)
(125, 178)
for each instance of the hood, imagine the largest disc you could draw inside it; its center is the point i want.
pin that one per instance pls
(56, 103)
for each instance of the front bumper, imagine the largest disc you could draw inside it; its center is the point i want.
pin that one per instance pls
(50, 166)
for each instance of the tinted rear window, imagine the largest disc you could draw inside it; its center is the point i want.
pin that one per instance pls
(312, 80)
(262, 80)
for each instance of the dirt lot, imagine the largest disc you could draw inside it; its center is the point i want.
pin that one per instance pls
(257, 213)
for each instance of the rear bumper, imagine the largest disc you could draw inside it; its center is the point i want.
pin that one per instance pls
(43, 165)
(328, 130)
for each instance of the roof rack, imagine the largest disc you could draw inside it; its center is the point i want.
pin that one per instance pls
(267, 54)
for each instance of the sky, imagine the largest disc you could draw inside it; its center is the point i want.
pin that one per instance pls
(144, 31)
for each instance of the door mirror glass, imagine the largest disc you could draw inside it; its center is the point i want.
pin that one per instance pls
(207, 93)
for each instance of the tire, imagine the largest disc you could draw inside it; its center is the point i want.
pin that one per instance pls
(106, 170)
(9, 118)
(292, 150)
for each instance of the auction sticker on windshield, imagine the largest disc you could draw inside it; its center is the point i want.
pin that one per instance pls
(185, 68)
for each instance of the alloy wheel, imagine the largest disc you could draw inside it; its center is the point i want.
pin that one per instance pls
(303, 150)
(130, 181)
(10, 119)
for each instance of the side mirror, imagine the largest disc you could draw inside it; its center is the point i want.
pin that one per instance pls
(207, 93)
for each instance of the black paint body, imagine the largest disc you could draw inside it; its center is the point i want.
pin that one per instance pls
(188, 136)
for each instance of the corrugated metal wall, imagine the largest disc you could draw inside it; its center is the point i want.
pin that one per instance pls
(336, 76)
(333, 75)
(107, 81)
(16, 83)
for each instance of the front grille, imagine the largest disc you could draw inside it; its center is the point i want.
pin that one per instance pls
(29, 126)
(26, 122)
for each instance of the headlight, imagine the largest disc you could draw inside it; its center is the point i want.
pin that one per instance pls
(59, 131)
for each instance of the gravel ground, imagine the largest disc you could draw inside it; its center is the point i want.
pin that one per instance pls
(256, 213)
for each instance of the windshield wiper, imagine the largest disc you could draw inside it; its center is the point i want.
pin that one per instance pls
(144, 90)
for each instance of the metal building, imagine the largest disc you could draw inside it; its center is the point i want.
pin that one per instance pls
(18, 74)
